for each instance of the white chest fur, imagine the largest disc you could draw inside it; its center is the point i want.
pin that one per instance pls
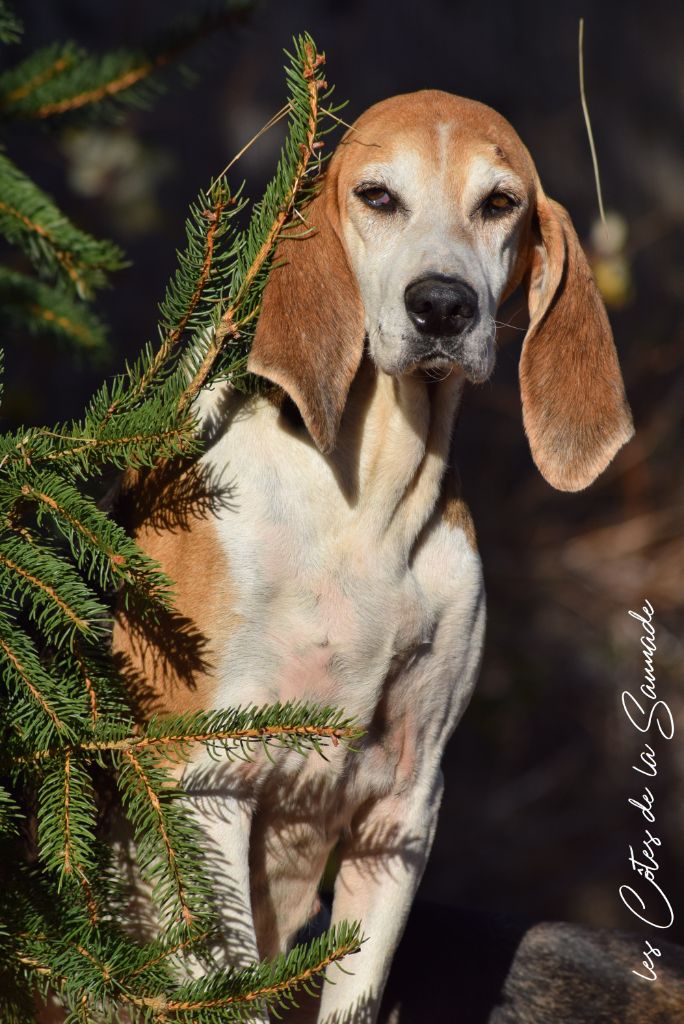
(337, 564)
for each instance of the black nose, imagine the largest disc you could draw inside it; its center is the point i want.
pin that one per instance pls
(440, 305)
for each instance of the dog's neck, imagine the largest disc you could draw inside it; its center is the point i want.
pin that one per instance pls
(393, 447)
(389, 460)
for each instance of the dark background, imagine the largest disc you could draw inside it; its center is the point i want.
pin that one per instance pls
(535, 818)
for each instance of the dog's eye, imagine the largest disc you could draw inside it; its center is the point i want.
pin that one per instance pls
(377, 197)
(498, 203)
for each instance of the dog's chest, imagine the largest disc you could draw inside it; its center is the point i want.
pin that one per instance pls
(326, 599)
(327, 623)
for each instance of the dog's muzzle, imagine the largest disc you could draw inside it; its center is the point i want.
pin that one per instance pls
(445, 312)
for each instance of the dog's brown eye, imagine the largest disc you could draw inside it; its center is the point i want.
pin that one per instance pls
(498, 202)
(377, 197)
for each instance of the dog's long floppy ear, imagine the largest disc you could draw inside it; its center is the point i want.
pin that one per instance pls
(310, 334)
(574, 407)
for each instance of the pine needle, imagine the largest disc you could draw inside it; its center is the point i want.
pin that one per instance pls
(587, 121)
(283, 112)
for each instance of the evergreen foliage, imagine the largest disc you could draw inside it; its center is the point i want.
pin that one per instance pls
(69, 737)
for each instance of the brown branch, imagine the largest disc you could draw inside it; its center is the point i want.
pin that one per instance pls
(67, 820)
(86, 444)
(62, 256)
(35, 692)
(30, 492)
(69, 866)
(91, 905)
(213, 217)
(170, 852)
(131, 743)
(229, 325)
(50, 591)
(49, 315)
(161, 1006)
(117, 561)
(124, 81)
(90, 689)
(56, 68)
(267, 990)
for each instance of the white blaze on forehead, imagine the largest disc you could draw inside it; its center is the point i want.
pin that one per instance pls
(443, 137)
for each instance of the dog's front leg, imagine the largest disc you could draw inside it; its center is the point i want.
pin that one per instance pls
(382, 863)
(225, 812)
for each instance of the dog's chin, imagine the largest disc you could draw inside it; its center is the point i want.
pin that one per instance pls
(437, 364)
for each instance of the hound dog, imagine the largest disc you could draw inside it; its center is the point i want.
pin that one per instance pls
(342, 569)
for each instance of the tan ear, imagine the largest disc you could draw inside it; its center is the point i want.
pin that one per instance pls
(310, 334)
(574, 407)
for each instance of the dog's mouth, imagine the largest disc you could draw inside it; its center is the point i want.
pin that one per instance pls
(475, 366)
(433, 358)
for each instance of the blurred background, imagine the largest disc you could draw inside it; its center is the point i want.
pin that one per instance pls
(535, 818)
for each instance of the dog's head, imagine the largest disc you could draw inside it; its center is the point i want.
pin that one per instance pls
(430, 214)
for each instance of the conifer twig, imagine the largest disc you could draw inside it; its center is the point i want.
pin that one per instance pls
(272, 121)
(153, 799)
(126, 73)
(228, 325)
(267, 991)
(33, 690)
(129, 744)
(587, 121)
(49, 592)
(90, 689)
(58, 65)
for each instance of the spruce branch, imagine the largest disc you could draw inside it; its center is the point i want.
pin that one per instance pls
(30, 219)
(229, 995)
(68, 722)
(167, 853)
(66, 821)
(100, 548)
(272, 985)
(273, 213)
(37, 308)
(24, 675)
(88, 684)
(131, 442)
(191, 296)
(64, 78)
(51, 591)
(232, 732)
(11, 28)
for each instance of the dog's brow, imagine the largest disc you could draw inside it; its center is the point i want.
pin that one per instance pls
(484, 173)
(375, 172)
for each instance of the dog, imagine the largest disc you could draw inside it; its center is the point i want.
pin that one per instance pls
(340, 566)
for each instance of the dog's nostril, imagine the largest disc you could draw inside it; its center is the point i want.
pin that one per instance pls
(440, 305)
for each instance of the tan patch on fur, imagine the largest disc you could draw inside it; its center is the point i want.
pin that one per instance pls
(309, 337)
(574, 406)
(455, 512)
(172, 666)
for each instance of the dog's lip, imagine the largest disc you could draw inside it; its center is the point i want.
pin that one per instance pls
(438, 360)
(434, 357)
